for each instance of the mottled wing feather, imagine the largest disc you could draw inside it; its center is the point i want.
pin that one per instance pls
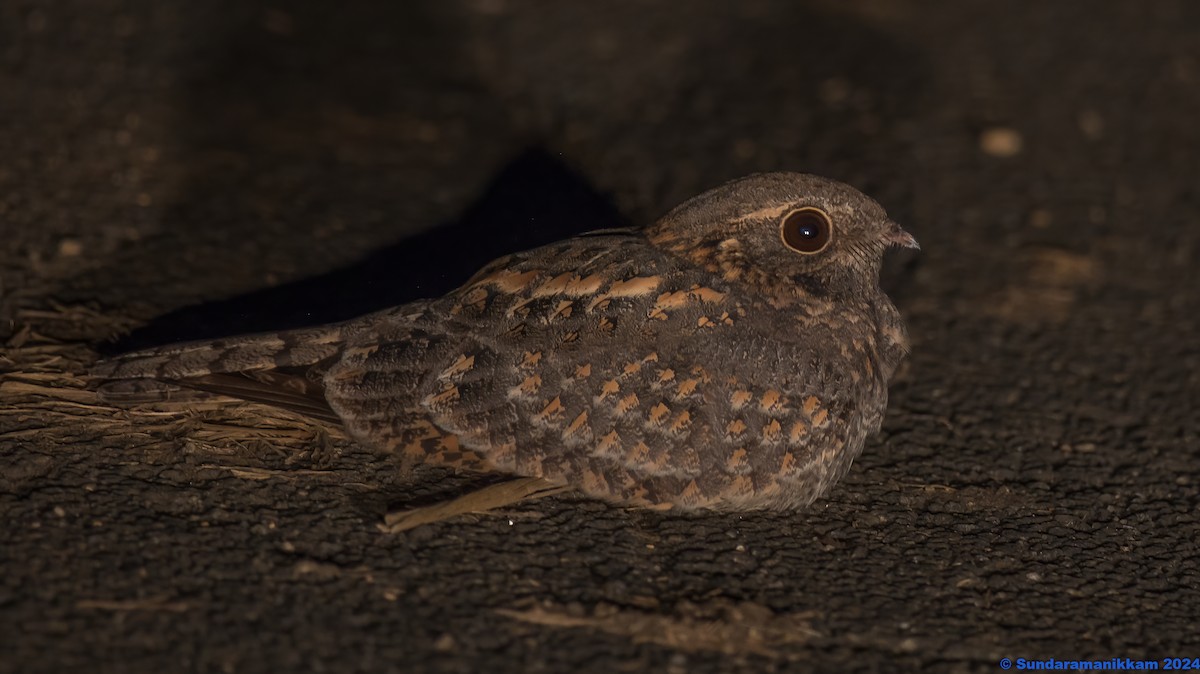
(625, 383)
(295, 393)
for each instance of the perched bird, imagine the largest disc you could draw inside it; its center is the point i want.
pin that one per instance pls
(733, 355)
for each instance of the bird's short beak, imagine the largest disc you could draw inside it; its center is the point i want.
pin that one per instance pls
(896, 236)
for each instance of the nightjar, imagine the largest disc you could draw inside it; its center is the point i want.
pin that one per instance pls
(733, 355)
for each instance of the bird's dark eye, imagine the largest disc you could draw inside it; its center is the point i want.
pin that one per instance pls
(808, 230)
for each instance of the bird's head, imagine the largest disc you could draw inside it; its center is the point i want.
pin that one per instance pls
(790, 235)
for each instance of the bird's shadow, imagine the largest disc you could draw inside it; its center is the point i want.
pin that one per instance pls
(534, 200)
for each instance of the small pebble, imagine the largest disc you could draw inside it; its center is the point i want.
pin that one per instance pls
(70, 248)
(1091, 124)
(1001, 141)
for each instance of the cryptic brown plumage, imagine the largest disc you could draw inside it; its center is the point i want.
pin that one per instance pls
(733, 355)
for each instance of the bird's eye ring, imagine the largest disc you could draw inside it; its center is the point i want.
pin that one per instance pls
(807, 230)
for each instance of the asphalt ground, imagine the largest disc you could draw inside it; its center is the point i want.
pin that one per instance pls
(174, 170)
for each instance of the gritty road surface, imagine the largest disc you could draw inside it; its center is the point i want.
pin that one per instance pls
(174, 170)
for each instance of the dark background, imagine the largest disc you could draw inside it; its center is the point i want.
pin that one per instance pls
(182, 170)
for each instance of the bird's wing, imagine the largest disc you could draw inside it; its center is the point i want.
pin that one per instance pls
(601, 363)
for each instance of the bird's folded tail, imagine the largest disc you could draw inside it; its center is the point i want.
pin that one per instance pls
(281, 369)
